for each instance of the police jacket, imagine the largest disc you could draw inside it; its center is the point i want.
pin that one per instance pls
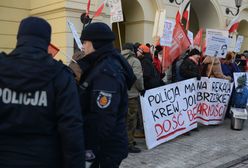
(40, 114)
(104, 100)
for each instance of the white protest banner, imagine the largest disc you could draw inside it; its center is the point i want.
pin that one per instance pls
(191, 38)
(164, 112)
(75, 35)
(166, 39)
(212, 98)
(239, 42)
(174, 109)
(116, 14)
(217, 45)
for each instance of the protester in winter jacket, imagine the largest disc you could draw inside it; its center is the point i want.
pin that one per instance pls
(240, 97)
(150, 75)
(40, 114)
(133, 95)
(228, 65)
(190, 66)
(105, 78)
(157, 64)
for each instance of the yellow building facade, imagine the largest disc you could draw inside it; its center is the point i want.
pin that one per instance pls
(137, 26)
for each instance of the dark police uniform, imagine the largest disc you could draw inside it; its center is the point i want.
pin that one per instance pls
(103, 86)
(40, 114)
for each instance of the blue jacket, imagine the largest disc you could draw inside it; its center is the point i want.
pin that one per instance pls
(240, 97)
(40, 114)
(229, 69)
(104, 100)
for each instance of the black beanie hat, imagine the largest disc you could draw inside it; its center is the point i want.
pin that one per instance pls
(34, 26)
(128, 46)
(194, 52)
(98, 33)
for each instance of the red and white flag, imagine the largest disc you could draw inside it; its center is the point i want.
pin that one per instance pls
(53, 50)
(233, 25)
(182, 8)
(88, 8)
(198, 38)
(186, 14)
(99, 10)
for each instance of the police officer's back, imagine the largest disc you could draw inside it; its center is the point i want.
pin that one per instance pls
(106, 77)
(40, 115)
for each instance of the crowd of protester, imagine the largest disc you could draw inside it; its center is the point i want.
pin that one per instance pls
(90, 120)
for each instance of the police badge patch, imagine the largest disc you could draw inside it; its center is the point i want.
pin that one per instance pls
(104, 99)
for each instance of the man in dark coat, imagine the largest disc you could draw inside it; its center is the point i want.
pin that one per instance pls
(106, 76)
(150, 75)
(40, 114)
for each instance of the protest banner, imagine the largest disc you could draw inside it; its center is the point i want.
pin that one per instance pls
(174, 109)
(164, 112)
(180, 44)
(166, 39)
(217, 45)
(212, 100)
(238, 44)
(191, 38)
(211, 32)
(75, 35)
(116, 14)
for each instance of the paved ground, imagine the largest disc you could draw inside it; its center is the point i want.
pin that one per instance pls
(212, 146)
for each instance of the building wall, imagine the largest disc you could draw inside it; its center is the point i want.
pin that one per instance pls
(56, 12)
(138, 24)
(11, 13)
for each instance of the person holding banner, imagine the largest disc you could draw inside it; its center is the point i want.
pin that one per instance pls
(105, 78)
(41, 122)
(228, 65)
(214, 68)
(133, 95)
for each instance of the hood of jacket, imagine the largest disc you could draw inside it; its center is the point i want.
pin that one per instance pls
(127, 53)
(28, 66)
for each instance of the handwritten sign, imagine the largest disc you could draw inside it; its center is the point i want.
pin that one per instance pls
(116, 14)
(166, 39)
(175, 109)
(164, 112)
(239, 42)
(217, 45)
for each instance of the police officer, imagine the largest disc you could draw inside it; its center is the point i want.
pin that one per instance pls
(40, 114)
(106, 76)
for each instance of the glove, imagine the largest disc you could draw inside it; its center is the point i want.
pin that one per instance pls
(142, 92)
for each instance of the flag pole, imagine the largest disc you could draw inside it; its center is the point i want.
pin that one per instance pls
(119, 33)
